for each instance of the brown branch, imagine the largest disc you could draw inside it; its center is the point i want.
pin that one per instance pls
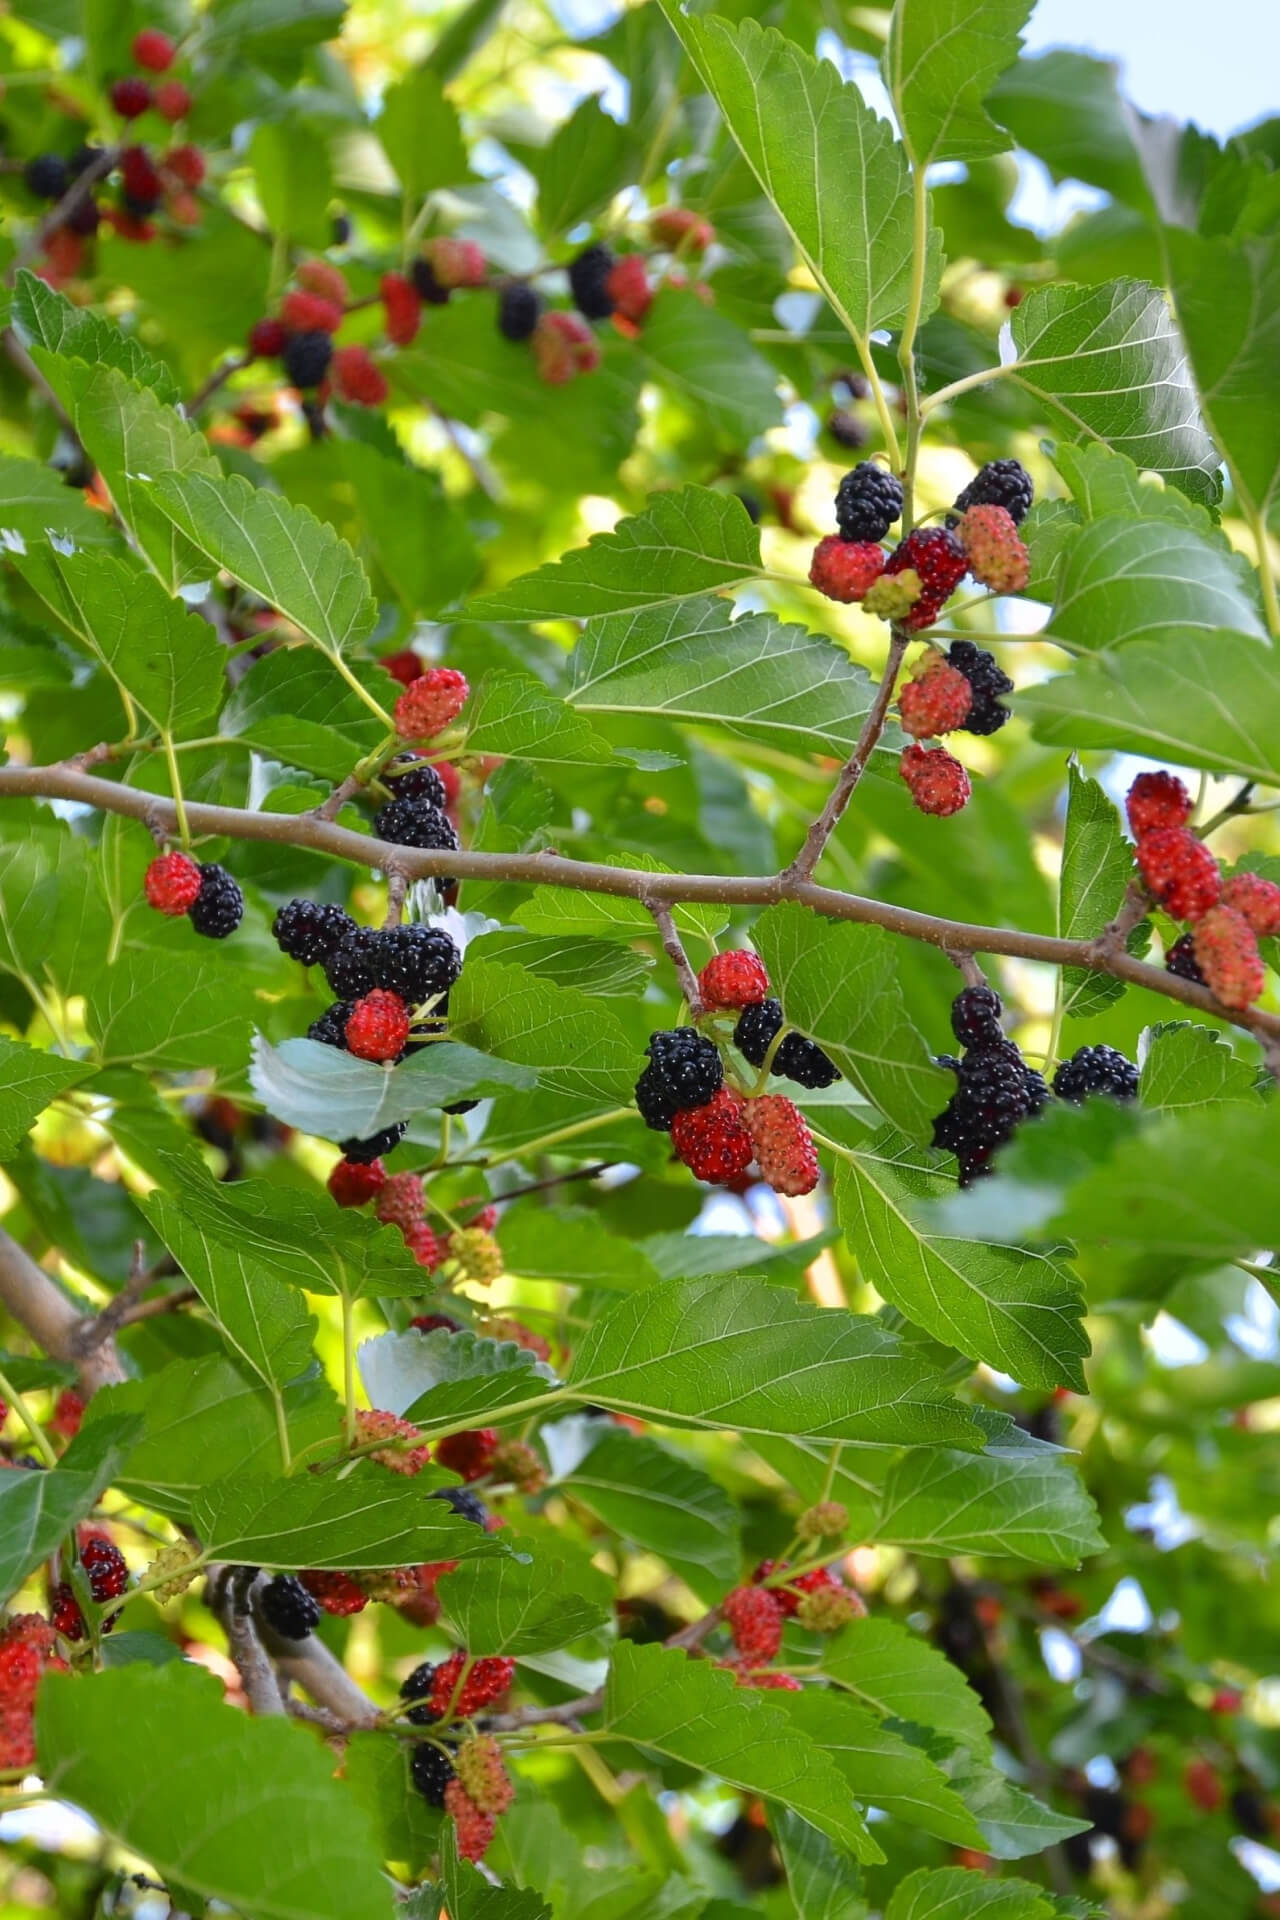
(230, 1591)
(217, 379)
(163, 1303)
(54, 1322)
(627, 883)
(854, 767)
(331, 806)
(673, 947)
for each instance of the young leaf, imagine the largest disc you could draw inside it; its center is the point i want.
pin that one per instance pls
(661, 1699)
(240, 1810)
(49, 320)
(327, 1092)
(957, 1893)
(941, 61)
(687, 542)
(1186, 1067)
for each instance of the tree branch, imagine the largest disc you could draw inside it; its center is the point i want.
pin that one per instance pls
(673, 947)
(552, 869)
(54, 1322)
(854, 767)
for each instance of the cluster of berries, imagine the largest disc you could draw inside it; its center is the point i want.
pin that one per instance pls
(756, 1613)
(468, 1778)
(1227, 917)
(716, 1130)
(107, 1574)
(206, 893)
(28, 1650)
(300, 337)
(996, 1090)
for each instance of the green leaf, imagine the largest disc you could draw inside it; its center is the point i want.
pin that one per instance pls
(240, 1810)
(1081, 350)
(295, 707)
(708, 361)
(1012, 1500)
(899, 1675)
(39, 1509)
(881, 1768)
(515, 715)
(957, 1893)
(842, 985)
(363, 1520)
(290, 162)
(414, 532)
(421, 135)
(1150, 699)
(523, 1605)
(169, 663)
(577, 1046)
(37, 505)
(131, 437)
(687, 542)
(572, 1246)
(1018, 1310)
(1067, 109)
(1105, 482)
(450, 1379)
(265, 1321)
(49, 320)
(146, 1010)
(688, 1710)
(327, 1092)
(295, 562)
(1124, 579)
(806, 134)
(822, 1881)
(1227, 295)
(1013, 1823)
(941, 61)
(745, 1355)
(592, 966)
(586, 161)
(563, 910)
(54, 922)
(1185, 1067)
(472, 1897)
(662, 1504)
(1097, 866)
(29, 1080)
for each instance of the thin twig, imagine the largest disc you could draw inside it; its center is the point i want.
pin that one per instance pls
(79, 190)
(230, 1592)
(39, 1304)
(397, 887)
(332, 806)
(673, 947)
(854, 767)
(202, 396)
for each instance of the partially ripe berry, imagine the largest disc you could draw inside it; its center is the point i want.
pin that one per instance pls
(712, 1140)
(1226, 950)
(1257, 899)
(68, 1412)
(628, 287)
(938, 783)
(353, 1183)
(172, 100)
(755, 1621)
(267, 338)
(893, 595)
(1179, 871)
(937, 701)
(185, 164)
(430, 702)
(486, 1680)
(469, 1454)
(454, 262)
(337, 1593)
(941, 563)
(401, 308)
(404, 1453)
(304, 312)
(1203, 1787)
(172, 884)
(997, 557)
(130, 97)
(104, 1567)
(477, 1254)
(406, 667)
(562, 346)
(426, 1250)
(1157, 800)
(681, 229)
(153, 50)
(482, 1771)
(357, 377)
(784, 1149)
(845, 569)
(475, 1828)
(734, 979)
(378, 1026)
(322, 277)
(401, 1201)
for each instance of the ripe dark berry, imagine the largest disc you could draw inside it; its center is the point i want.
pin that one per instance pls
(172, 883)
(419, 963)
(846, 429)
(364, 1151)
(84, 218)
(426, 284)
(975, 1016)
(353, 1184)
(845, 569)
(310, 930)
(47, 176)
(153, 50)
(996, 1092)
(468, 1505)
(430, 702)
(104, 1567)
(219, 906)
(64, 1611)
(798, 1058)
(940, 563)
(330, 1029)
(1001, 483)
(1179, 871)
(430, 1769)
(938, 783)
(352, 968)
(684, 1071)
(712, 1140)
(1096, 1070)
(416, 823)
(868, 501)
(588, 282)
(306, 358)
(733, 979)
(518, 309)
(987, 680)
(130, 97)
(1181, 960)
(288, 1608)
(417, 779)
(378, 1026)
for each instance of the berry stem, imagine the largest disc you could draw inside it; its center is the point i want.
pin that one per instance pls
(907, 339)
(1257, 525)
(545, 1140)
(348, 1370)
(39, 1438)
(673, 947)
(824, 826)
(944, 395)
(362, 694)
(175, 782)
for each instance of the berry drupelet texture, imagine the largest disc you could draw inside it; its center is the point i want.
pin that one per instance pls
(461, 1689)
(1181, 960)
(416, 779)
(1001, 483)
(401, 1201)
(936, 780)
(1179, 871)
(431, 1770)
(219, 906)
(288, 1608)
(997, 557)
(330, 1029)
(798, 1058)
(712, 1140)
(1226, 950)
(754, 1619)
(589, 282)
(975, 1016)
(937, 701)
(354, 1185)
(1157, 800)
(430, 702)
(684, 1071)
(733, 979)
(868, 502)
(337, 1593)
(996, 1091)
(1257, 899)
(172, 884)
(416, 823)
(378, 1026)
(311, 930)
(349, 968)
(1093, 1070)
(417, 962)
(469, 1453)
(475, 1828)
(987, 682)
(784, 1149)
(104, 1567)
(845, 569)
(940, 563)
